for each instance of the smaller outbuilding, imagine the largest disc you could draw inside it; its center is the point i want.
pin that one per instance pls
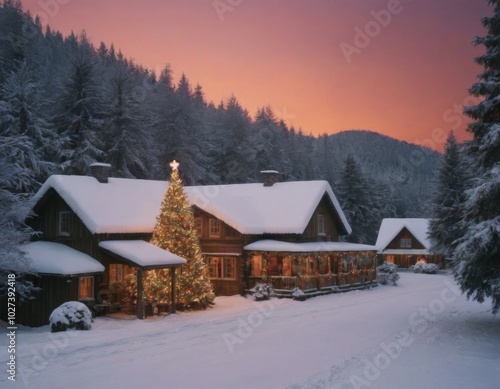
(404, 242)
(65, 274)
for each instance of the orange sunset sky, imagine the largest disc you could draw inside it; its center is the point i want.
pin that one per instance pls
(408, 78)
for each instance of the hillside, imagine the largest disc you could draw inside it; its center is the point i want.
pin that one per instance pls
(406, 169)
(68, 104)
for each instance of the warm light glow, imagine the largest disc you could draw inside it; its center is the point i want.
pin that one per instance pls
(174, 165)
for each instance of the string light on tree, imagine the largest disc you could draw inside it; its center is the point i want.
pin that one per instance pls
(175, 232)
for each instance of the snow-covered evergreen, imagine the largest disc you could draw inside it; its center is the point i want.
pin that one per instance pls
(90, 104)
(445, 225)
(14, 210)
(357, 203)
(80, 112)
(477, 256)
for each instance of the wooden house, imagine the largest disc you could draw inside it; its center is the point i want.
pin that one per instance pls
(404, 242)
(65, 275)
(285, 233)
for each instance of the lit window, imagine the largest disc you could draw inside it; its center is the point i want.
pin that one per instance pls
(222, 267)
(321, 224)
(256, 264)
(229, 268)
(64, 223)
(86, 288)
(116, 273)
(198, 226)
(405, 243)
(215, 228)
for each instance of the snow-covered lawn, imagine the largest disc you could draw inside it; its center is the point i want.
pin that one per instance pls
(420, 334)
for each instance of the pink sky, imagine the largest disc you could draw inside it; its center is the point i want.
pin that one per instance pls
(407, 79)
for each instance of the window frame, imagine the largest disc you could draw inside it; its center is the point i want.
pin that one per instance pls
(198, 226)
(64, 219)
(256, 266)
(321, 225)
(91, 288)
(222, 267)
(116, 273)
(214, 223)
(405, 243)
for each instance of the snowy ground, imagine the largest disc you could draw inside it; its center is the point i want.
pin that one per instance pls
(420, 334)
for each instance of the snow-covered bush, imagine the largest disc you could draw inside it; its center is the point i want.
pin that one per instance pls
(389, 274)
(387, 267)
(298, 294)
(71, 314)
(262, 292)
(427, 268)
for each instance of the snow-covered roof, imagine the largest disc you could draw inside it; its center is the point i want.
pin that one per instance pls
(283, 208)
(391, 227)
(59, 259)
(131, 206)
(270, 245)
(142, 254)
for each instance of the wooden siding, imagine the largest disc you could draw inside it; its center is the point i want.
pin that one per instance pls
(332, 223)
(405, 234)
(230, 243)
(55, 291)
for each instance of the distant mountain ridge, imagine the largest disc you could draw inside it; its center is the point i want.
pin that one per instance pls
(68, 104)
(405, 169)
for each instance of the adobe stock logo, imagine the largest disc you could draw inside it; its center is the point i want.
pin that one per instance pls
(223, 6)
(363, 37)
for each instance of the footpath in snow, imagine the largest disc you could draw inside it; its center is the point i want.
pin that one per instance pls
(421, 334)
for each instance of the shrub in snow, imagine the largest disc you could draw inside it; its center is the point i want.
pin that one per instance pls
(298, 294)
(389, 274)
(71, 314)
(427, 268)
(262, 292)
(387, 267)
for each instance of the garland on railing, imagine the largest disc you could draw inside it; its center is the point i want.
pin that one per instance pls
(341, 273)
(353, 272)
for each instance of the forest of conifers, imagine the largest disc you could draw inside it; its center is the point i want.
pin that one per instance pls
(65, 103)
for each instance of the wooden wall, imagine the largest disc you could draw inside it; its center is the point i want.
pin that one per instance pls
(229, 242)
(55, 291)
(405, 234)
(332, 223)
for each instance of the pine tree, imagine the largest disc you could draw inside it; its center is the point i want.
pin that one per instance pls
(357, 204)
(127, 140)
(175, 232)
(445, 226)
(23, 116)
(14, 209)
(80, 112)
(477, 256)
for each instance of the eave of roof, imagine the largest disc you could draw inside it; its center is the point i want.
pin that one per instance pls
(251, 209)
(141, 254)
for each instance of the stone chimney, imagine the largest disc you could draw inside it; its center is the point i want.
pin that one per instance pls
(269, 177)
(100, 171)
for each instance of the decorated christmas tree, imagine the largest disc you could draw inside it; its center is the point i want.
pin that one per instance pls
(175, 232)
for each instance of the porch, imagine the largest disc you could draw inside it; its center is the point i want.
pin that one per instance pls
(315, 268)
(405, 258)
(143, 256)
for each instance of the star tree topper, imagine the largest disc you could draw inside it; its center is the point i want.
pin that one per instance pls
(174, 165)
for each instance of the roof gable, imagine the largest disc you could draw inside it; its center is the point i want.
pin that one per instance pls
(391, 227)
(131, 205)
